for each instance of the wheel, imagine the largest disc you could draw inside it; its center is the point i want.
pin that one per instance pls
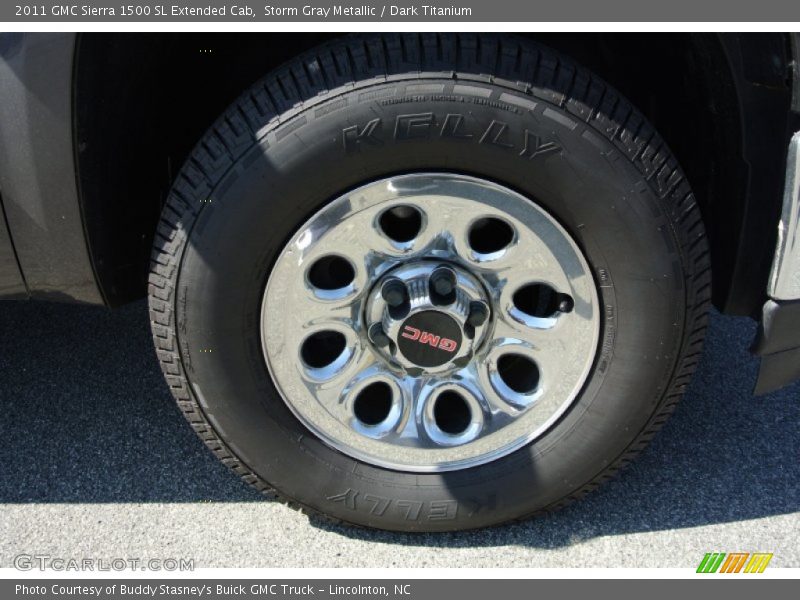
(429, 282)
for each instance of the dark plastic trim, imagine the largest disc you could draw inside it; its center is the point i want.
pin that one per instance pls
(778, 344)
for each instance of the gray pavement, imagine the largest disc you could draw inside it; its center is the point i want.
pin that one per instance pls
(96, 461)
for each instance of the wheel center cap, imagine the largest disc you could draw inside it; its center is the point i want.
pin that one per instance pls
(429, 338)
(427, 317)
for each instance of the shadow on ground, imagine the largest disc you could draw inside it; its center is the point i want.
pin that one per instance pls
(86, 417)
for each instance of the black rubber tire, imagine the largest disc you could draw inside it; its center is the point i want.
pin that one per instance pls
(366, 107)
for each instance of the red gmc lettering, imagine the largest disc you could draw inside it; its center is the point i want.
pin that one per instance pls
(429, 338)
(448, 345)
(411, 333)
(425, 337)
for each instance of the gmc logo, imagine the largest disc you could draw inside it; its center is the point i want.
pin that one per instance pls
(425, 337)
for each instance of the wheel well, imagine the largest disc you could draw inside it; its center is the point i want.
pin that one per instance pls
(141, 101)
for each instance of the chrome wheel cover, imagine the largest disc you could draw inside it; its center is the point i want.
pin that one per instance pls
(350, 355)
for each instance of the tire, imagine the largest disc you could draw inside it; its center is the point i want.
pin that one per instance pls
(365, 108)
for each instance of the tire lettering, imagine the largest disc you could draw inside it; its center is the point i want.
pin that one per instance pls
(347, 497)
(453, 127)
(379, 504)
(409, 510)
(352, 138)
(412, 509)
(534, 146)
(410, 127)
(417, 126)
(497, 135)
(445, 510)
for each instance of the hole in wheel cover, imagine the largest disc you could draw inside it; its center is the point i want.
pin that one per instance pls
(373, 403)
(451, 413)
(322, 348)
(490, 235)
(539, 300)
(331, 272)
(518, 372)
(401, 224)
